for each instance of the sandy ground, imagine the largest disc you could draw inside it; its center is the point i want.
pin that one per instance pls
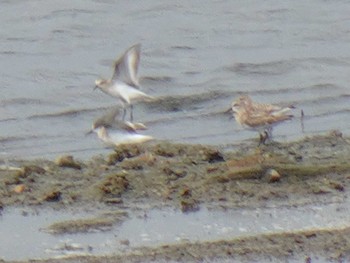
(189, 177)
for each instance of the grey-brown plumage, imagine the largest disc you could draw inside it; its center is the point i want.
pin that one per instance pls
(127, 66)
(113, 131)
(110, 121)
(259, 116)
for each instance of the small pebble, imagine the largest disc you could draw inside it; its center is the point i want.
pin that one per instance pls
(19, 188)
(273, 176)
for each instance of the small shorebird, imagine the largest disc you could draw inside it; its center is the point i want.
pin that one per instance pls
(259, 116)
(124, 83)
(109, 120)
(122, 132)
(121, 136)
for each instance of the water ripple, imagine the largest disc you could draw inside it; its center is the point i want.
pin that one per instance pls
(266, 68)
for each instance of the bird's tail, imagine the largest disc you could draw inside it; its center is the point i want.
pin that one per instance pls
(282, 111)
(149, 98)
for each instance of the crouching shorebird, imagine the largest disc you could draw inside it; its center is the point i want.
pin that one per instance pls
(110, 120)
(124, 83)
(123, 132)
(258, 116)
(121, 136)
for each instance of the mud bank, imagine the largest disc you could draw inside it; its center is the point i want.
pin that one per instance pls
(315, 170)
(183, 176)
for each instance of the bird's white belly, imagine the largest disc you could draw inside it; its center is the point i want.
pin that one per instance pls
(125, 92)
(127, 138)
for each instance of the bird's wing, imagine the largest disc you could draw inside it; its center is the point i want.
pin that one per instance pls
(107, 119)
(126, 67)
(126, 126)
(262, 118)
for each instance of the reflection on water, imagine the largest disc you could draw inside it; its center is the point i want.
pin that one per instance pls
(24, 230)
(277, 51)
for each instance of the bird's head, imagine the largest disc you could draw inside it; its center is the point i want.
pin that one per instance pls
(236, 106)
(100, 83)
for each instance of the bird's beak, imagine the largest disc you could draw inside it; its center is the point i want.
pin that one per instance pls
(95, 87)
(229, 110)
(89, 132)
(234, 109)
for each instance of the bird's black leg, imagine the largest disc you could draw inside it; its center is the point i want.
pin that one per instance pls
(124, 113)
(268, 131)
(131, 113)
(263, 137)
(260, 139)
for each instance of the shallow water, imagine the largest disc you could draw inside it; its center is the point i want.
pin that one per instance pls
(209, 52)
(24, 230)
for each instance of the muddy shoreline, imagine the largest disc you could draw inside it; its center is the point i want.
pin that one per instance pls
(314, 170)
(302, 246)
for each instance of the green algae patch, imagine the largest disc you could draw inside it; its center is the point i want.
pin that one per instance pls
(313, 170)
(103, 222)
(80, 225)
(253, 172)
(257, 171)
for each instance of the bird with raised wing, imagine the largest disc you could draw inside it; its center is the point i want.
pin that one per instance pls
(124, 83)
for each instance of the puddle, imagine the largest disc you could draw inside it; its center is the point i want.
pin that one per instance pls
(23, 236)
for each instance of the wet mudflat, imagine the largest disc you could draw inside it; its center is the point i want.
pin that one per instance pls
(275, 202)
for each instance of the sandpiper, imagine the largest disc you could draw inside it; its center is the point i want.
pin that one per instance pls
(121, 136)
(124, 83)
(259, 116)
(109, 120)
